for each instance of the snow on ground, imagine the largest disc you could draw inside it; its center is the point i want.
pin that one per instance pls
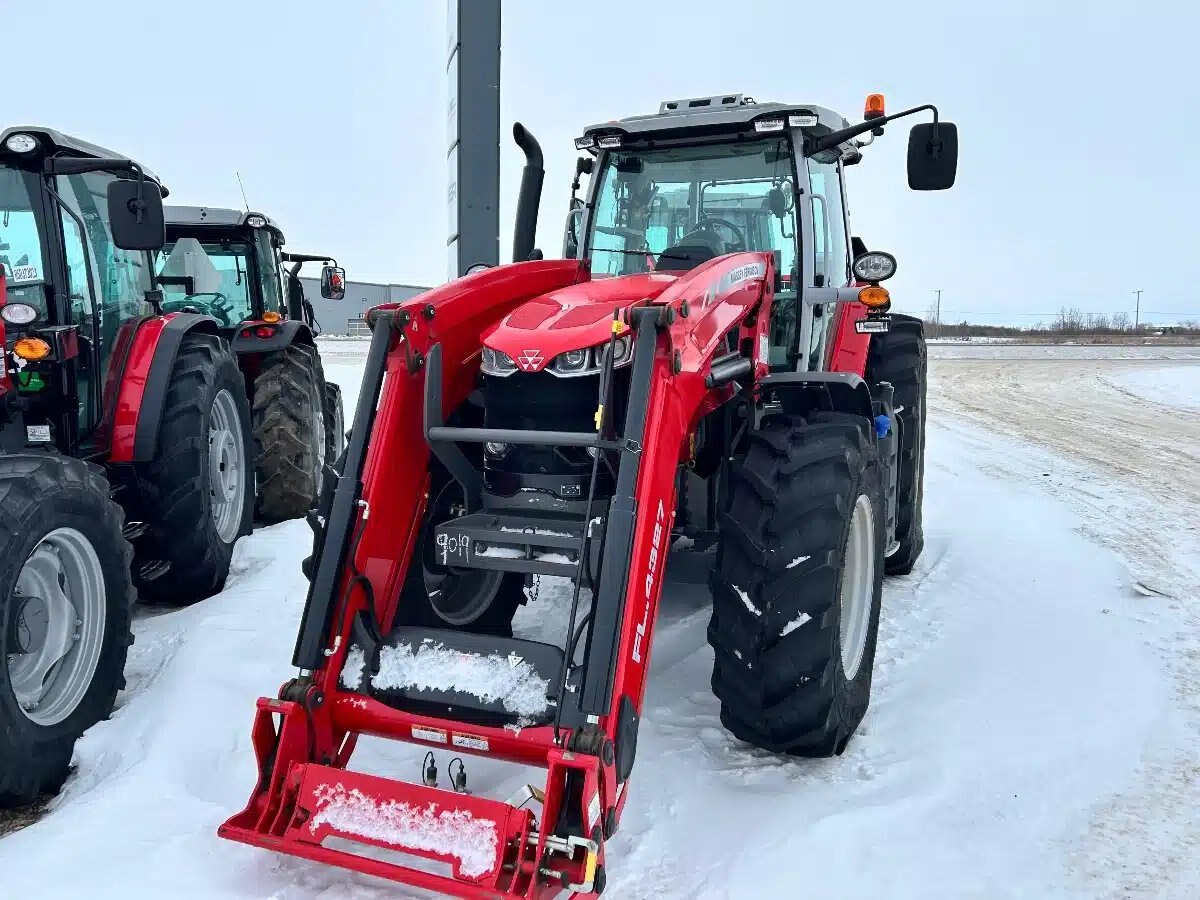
(1170, 386)
(1033, 729)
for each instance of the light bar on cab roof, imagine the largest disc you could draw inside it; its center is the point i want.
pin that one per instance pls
(608, 141)
(587, 142)
(761, 125)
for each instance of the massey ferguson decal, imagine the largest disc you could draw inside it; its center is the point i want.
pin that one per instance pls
(660, 527)
(529, 360)
(731, 278)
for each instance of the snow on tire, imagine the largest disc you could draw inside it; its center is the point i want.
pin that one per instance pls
(290, 436)
(797, 585)
(199, 483)
(66, 598)
(898, 356)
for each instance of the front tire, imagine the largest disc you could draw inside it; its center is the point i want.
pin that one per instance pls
(898, 356)
(797, 585)
(66, 598)
(290, 432)
(200, 482)
(335, 422)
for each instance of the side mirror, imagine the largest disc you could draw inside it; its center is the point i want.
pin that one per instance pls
(571, 232)
(137, 222)
(932, 156)
(777, 202)
(333, 282)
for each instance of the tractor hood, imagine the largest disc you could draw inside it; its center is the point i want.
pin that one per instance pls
(571, 318)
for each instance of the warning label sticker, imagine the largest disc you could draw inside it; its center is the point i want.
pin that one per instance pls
(429, 734)
(469, 741)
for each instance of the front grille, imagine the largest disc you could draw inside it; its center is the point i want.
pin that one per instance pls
(544, 402)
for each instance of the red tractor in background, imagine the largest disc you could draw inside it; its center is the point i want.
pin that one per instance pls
(124, 443)
(712, 365)
(231, 265)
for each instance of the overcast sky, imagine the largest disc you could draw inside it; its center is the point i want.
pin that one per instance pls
(1074, 187)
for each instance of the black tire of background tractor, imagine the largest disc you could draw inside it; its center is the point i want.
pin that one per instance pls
(39, 493)
(899, 356)
(290, 434)
(335, 423)
(415, 607)
(177, 480)
(792, 498)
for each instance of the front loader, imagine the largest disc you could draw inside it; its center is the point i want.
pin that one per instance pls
(692, 375)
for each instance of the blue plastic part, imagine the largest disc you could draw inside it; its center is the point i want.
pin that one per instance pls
(882, 426)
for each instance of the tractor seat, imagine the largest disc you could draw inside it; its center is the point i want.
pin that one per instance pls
(476, 678)
(683, 257)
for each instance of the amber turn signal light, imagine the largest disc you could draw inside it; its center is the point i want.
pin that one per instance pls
(271, 316)
(874, 297)
(31, 349)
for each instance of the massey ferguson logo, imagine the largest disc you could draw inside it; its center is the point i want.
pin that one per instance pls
(529, 360)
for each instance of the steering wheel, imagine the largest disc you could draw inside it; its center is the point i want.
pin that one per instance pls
(712, 224)
(218, 306)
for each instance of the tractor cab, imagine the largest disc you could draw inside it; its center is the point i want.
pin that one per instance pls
(231, 265)
(77, 226)
(705, 177)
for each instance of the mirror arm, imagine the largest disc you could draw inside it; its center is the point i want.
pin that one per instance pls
(833, 139)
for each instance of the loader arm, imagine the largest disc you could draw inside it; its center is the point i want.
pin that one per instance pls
(425, 359)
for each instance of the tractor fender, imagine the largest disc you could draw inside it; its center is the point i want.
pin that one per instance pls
(287, 332)
(802, 392)
(144, 381)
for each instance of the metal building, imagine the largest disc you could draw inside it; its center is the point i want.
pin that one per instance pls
(345, 316)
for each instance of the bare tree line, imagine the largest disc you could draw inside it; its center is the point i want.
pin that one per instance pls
(1068, 322)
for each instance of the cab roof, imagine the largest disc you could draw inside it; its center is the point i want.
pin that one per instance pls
(73, 146)
(719, 113)
(216, 216)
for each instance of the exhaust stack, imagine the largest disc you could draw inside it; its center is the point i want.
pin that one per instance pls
(530, 197)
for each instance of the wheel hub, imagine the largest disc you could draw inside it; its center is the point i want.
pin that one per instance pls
(226, 467)
(56, 634)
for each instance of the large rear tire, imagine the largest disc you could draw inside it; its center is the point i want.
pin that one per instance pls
(290, 432)
(797, 585)
(898, 356)
(200, 483)
(66, 598)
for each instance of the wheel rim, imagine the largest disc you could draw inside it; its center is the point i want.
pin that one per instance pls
(858, 586)
(226, 466)
(57, 633)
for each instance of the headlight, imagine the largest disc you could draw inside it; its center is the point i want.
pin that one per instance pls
(875, 266)
(573, 362)
(21, 143)
(18, 313)
(256, 221)
(495, 449)
(496, 362)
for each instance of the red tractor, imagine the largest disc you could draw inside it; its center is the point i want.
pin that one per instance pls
(125, 446)
(231, 265)
(711, 366)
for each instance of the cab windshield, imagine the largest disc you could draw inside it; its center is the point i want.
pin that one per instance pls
(675, 208)
(20, 241)
(221, 278)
